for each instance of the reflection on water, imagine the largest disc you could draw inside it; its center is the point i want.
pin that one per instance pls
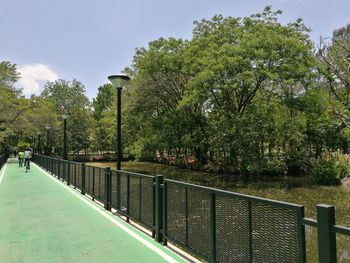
(293, 190)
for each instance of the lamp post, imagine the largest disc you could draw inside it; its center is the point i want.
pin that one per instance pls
(47, 151)
(39, 141)
(119, 81)
(65, 150)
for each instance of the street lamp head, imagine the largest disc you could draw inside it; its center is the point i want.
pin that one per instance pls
(47, 127)
(65, 116)
(118, 81)
(39, 133)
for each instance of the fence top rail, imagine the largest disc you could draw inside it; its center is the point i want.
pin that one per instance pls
(310, 222)
(134, 174)
(94, 166)
(341, 230)
(71, 162)
(250, 198)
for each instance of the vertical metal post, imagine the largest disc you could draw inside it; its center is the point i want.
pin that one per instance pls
(301, 234)
(75, 176)
(59, 168)
(118, 190)
(119, 129)
(65, 151)
(250, 232)
(186, 216)
(326, 237)
(93, 183)
(110, 188)
(39, 141)
(213, 226)
(107, 188)
(64, 171)
(159, 208)
(47, 141)
(127, 196)
(83, 178)
(140, 198)
(68, 172)
(154, 207)
(165, 211)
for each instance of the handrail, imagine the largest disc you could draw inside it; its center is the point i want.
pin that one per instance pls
(202, 213)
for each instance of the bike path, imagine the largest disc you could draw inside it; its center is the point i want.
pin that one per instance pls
(42, 220)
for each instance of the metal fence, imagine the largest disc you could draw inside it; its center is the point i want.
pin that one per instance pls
(3, 159)
(215, 225)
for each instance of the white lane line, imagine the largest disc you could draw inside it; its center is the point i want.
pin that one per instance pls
(113, 220)
(3, 172)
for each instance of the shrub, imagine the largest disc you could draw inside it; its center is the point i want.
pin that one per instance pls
(249, 169)
(274, 167)
(330, 169)
(296, 161)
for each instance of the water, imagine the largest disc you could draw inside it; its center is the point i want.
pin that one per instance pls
(296, 190)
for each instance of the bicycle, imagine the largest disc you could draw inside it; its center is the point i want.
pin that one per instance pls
(27, 164)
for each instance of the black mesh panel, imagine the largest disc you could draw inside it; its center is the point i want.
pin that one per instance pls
(135, 196)
(176, 214)
(232, 229)
(275, 236)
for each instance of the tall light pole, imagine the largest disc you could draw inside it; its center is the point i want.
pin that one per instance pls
(47, 140)
(39, 141)
(65, 150)
(118, 82)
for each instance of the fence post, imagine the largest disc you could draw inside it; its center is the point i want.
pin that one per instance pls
(250, 231)
(165, 211)
(213, 226)
(127, 197)
(118, 190)
(64, 162)
(83, 178)
(107, 188)
(159, 208)
(58, 169)
(68, 172)
(327, 252)
(301, 234)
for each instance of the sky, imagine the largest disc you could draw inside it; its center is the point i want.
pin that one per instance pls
(89, 40)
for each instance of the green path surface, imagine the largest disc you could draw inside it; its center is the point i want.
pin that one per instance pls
(41, 221)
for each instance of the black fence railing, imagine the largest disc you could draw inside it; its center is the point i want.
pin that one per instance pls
(3, 159)
(215, 225)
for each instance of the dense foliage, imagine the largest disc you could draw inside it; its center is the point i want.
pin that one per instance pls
(244, 95)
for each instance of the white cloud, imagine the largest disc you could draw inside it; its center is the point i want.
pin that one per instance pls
(33, 76)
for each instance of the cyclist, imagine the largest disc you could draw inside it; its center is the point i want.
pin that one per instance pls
(27, 156)
(20, 158)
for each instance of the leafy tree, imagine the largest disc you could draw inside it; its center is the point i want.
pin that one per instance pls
(70, 98)
(231, 61)
(334, 57)
(103, 101)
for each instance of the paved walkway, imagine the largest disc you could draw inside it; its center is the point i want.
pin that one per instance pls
(43, 220)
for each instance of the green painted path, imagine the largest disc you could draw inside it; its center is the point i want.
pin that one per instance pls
(41, 220)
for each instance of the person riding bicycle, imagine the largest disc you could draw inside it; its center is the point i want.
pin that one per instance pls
(20, 158)
(27, 157)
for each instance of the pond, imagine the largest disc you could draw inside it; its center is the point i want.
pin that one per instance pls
(296, 190)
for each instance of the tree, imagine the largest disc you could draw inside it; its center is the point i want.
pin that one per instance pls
(70, 98)
(103, 101)
(231, 61)
(10, 106)
(334, 58)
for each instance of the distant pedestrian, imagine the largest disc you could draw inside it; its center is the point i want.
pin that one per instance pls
(20, 158)
(27, 157)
